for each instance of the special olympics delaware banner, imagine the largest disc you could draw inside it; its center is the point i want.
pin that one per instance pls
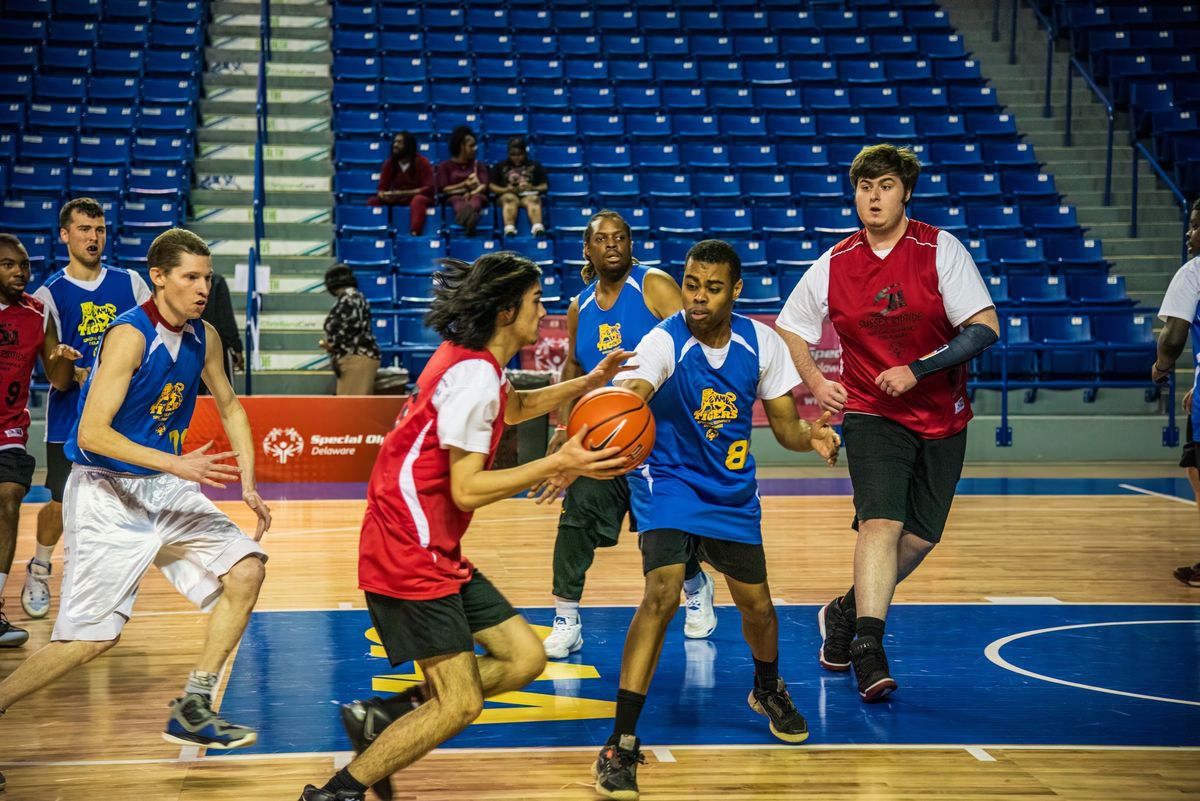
(305, 438)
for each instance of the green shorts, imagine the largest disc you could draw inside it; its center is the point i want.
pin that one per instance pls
(597, 506)
(899, 475)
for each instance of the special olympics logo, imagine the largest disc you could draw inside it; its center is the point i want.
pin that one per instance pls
(282, 444)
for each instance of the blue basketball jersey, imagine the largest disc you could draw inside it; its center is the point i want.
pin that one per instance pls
(81, 311)
(699, 477)
(600, 331)
(162, 393)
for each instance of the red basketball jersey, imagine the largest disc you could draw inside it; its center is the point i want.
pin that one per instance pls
(411, 534)
(890, 312)
(22, 333)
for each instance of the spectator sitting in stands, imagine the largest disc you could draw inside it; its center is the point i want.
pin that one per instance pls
(353, 352)
(406, 179)
(463, 179)
(520, 181)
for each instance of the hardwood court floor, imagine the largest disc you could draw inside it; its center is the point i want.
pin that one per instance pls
(95, 735)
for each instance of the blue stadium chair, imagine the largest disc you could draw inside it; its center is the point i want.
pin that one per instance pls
(450, 18)
(674, 255)
(989, 124)
(505, 124)
(172, 62)
(801, 156)
(1056, 333)
(760, 292)
(848, 46)
(616, 19)
(708, 21)
(49, 117)
(116, 90)
(843, 153)
(656, 156)
(677, 221)
(16, 87)
(594, 127)
(892, 127)
(615, 187)
(417, 256)
(1019, 355)
(670, 187)
(555, 126)
(447, 43)
(470, 249)
(648, 127)
(778, 220)
(659, 20)
(184, 37)
(997, 286)
(989, 220)
(975, 187)
(932, 186)
(726, 98)
(1073, 255)
(500, 97)
(355, 187)
(1128, 344)
(685, 98)
(831, 219)
(954, 71)
(547, 97)
(735, 222)
(703, 157)
(943, 45)
(903, 70)
(638, 98)
(400, 43)
(717, 188)
(577, 70)
(383, 328)
(864, 71)
(935, 125)
(805, 72)
(1040, 219)
(452, 95)
(754, 157)
(488, 43)
(1013, 254)
(8, 151)
(353, 154)
(1035, 187)
(572, 218)
(795, 254)
(747, 20)
(756, 46)
(356, 67)
(158, 181)
(58, 89)
(40, 248)
(778, 98)
(449, 68)
(37, 179)
(362, 221)
(560, 157)
(422, 125)
(593, 98)
(367, 252)
(168, 91)
(818, 188)
(157, 215)
(22, 32)
(791, 21)
(744, 127)
(487, 19)
(47, 147)
(404, 69)
(716, 72)
(573, 19)
(784, 126)
(22, 58)
(966, 97)
(379, 288)
(124, 62)
(409, 96)
(955, 154)
(677, 71)
(835, 19)
(539, 250)
(580, 45)
(179, 13)
(919, 97)
(574, 185)
(124, 34)
(882, 98)
(894, 44)
(164, 149)
(530, 21)
(165, 120)
(766, 188)
(72, 60)
(753, 255)
(28, 216)
(950, 219)
(638, 218)
(101, 182)
(668, 45)
(609, 157)
(827, 98)
(399, 17)
(978, 249)
(1098, 290)
(632, 73)
(841, 126)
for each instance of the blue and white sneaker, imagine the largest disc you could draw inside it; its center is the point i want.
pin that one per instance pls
(193, 722)
(35, 593)
(11, 636)
(700, 619)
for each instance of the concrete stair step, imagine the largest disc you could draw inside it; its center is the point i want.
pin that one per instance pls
(1166, 231)
(245, 231)
(282, 267)
(1106, 214)
(283, 286)
(274, 183)
(273, 247)
(275, 97)
(247, 137)
(245, 121)
(295, 215)
(242, 49)
(1124, 245)
(271, 153)
(1070, 182)
(275, 110)
(273, 169)
(245, 197)
(1147, 282)
(1144, 263)
(292, 302)
(309, 8)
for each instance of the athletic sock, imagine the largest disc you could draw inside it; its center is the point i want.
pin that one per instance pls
(3, 578)
(342, 780)
(569, 609)
(403, 703)
(848, 600)
(695, 583)
(765, 672)
(869, 627)
(43, 553)
(629, 708)
(201, 683)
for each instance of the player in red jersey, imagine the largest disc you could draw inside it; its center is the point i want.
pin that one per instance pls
(911, 310)
(426, 601)
(25, 335)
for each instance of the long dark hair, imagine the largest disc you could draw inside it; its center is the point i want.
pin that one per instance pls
(409, 153)
(468, 297)
(458, 136)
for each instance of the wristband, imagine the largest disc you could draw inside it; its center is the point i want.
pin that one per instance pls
(560, 428)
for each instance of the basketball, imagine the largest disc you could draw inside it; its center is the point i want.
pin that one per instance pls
(616, 418)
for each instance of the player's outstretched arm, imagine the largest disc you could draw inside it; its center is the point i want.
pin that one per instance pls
(527, 404)
(58, 359)
(472, 485)
(236, 424)
(800, 435)
(570, 369)
(830, 394)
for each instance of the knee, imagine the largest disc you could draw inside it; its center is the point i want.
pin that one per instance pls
(246, 577)
(464, 708)
(10, 508)
(529, 663)
(98, 647)
(662, 597)
(759, 611)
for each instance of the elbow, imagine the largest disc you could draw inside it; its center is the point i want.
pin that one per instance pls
(86, 438)
(464, 501)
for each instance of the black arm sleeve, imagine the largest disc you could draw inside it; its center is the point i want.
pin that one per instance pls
(970, 342)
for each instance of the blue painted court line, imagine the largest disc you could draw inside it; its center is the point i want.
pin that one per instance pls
(1135, 684)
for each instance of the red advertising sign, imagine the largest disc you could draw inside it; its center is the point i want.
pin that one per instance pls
(551, 350)
(305, 438)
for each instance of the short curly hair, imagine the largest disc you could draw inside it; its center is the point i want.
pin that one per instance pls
(876, 160)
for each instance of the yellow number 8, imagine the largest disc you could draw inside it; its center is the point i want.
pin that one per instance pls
(735, 457)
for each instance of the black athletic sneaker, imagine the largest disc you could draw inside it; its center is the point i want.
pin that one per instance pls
(317, 794)
(776, 705)
(616, 769)
(837, 632)
(871, 669)
(364, 721)
(2, 782)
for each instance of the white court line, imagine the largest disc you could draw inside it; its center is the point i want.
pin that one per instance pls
(992, 652)
(591, 749)
(663, 754)
(1022, 600)
(342, 759)
(1143, 491)
(980, 754)
(345, 605)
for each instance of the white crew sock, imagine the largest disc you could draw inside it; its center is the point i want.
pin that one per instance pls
(694, 584)
(567, 609)
(43, 553)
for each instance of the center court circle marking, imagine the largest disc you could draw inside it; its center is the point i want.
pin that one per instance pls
(992, 652)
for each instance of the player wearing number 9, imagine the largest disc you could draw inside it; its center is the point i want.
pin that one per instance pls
(701, 371)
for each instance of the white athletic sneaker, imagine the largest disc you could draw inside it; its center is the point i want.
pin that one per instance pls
(567, 638)
(35, 595)
(700, 618)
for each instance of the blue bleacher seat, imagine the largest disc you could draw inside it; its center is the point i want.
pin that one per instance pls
(122, 61)
(355, 187)
(821, 188)
(728, 222)
(165, 120)
(172, 62)
(766, 188)
(166, 149)
(418, 256)
(754, 157)
(169, 91)
(1019, 358)
(710, 187)
(470, 249)
(952, 219)
(531, 20)
(560, 157)
(46, 147)
(648, 127)
(874, 97)
(593, 98)
(48, 117)
(24, 32)
(158, 181)
(615, 187)
(108, 118)
(1014, 254)
(37, 179)
(1041, 219)
(656, 156)
(153, 215)
(759, 291)
(406, 69)
(1128, 344)
(190, 12)
(29, 215)
(117, 90)
(555, 126)
(671, 187)
(22, 58)
(1038, 289)
(705, 156)
(368, 252)
(348, 15)
(672, 70)
(1072, 254)
(354, 154)
(792, 253)
(573, 185)
(356, 67)
(955, 154)
(362, 220)
(974, 187)
(190, 37)
(1098, 290)
(885, 127)
(572, 217)
(487, 19)
(60, 89)
(997, 286)
(593, 127)
(677, 221)
(994, 219)
(1026, 186)
(919, 97)
(602, 156)
(831, 219)
(101, 182)
(1060, 360)
(775, 220)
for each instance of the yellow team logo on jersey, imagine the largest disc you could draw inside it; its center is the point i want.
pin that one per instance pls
(170, 399)
(96, 319)
(610, 337)
(716, 409)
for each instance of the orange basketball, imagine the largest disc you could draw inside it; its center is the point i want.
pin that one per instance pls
(616, 418)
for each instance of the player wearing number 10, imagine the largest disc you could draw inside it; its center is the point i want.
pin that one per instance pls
(133, 500)
(697, 496)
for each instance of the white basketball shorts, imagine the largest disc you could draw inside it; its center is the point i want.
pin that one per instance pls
(116, 525)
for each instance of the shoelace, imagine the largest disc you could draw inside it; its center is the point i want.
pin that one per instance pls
(625, 758)
(778, 702)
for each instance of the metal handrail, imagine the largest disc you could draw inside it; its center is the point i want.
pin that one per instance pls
(260, 193)
(1051, 34)
(1138, 147)
(1073, 66)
